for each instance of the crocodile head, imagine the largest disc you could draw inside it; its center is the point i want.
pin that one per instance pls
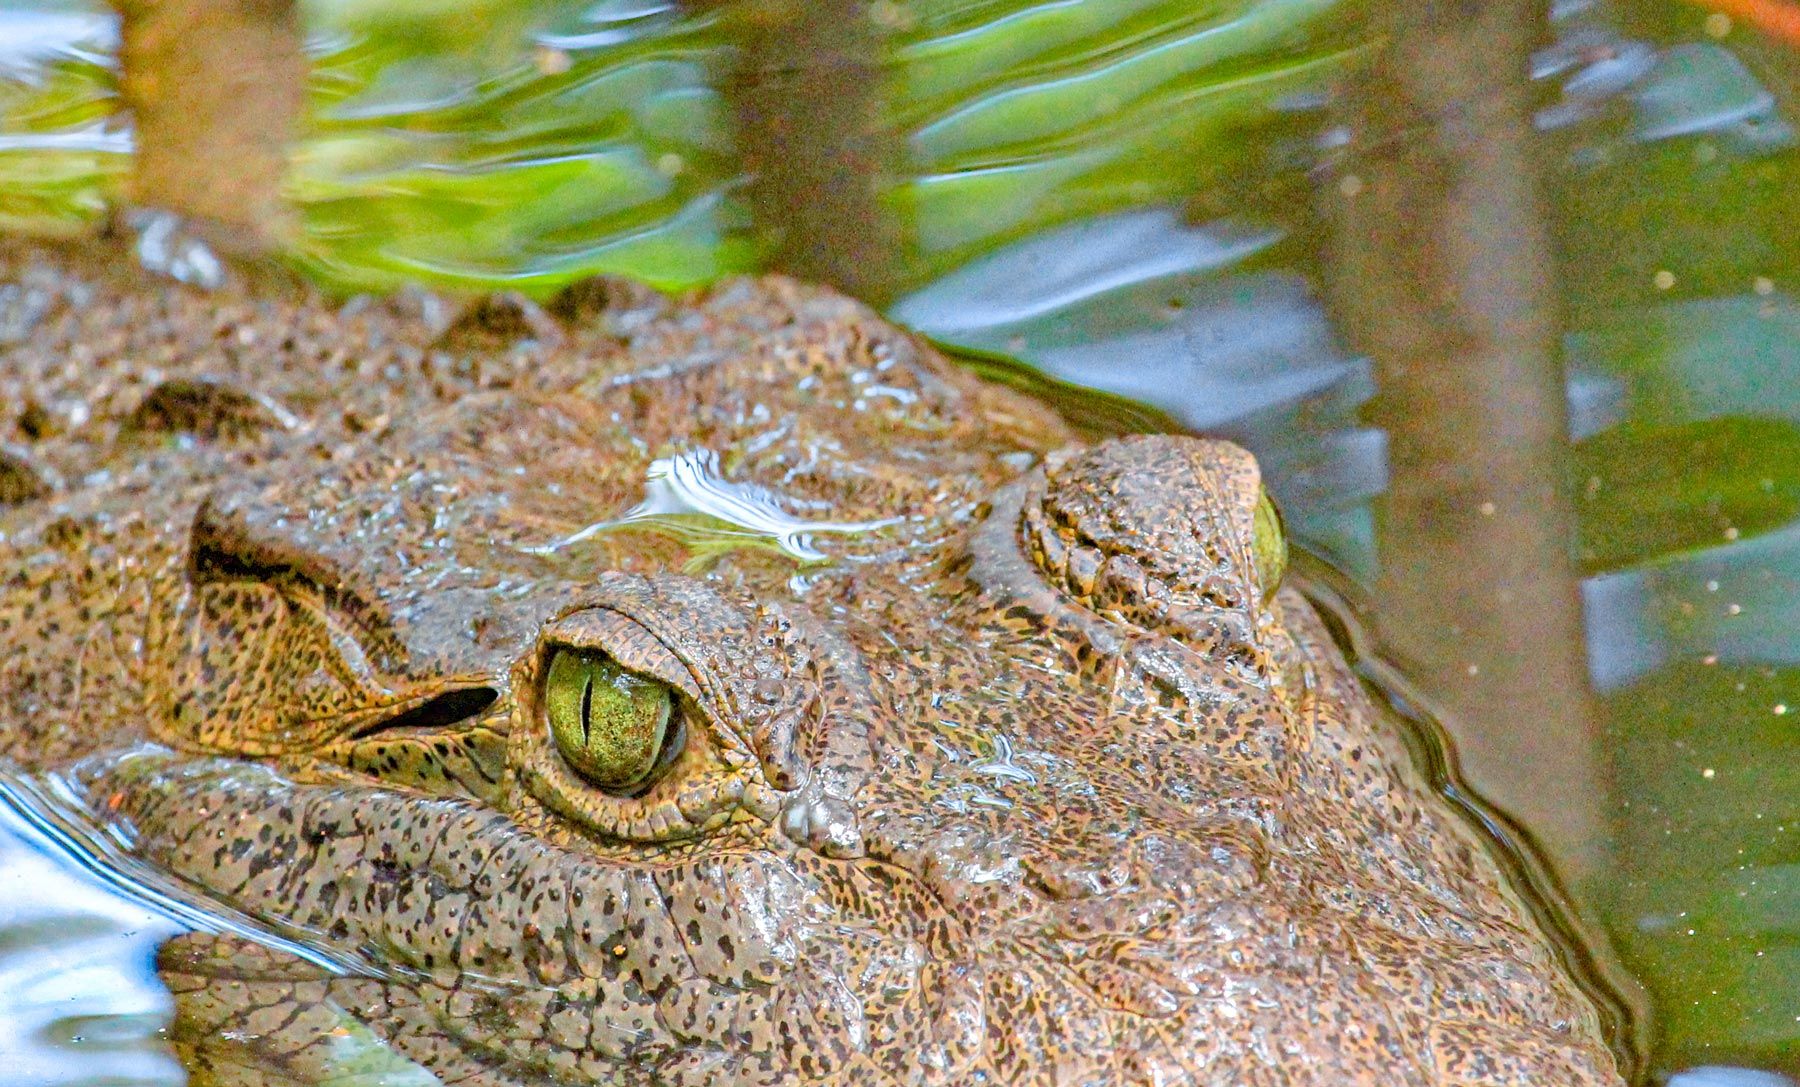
(795, 709)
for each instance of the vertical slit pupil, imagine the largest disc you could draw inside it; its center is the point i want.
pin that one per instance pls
(587, 705)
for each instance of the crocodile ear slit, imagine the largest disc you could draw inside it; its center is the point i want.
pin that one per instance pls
(438, 712)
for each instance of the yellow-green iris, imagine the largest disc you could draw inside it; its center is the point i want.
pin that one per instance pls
(612, 726)
(1268, 546)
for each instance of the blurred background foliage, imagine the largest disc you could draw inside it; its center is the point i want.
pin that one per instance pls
(1122, 196)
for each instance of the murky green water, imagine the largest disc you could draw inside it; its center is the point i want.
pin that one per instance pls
(1160, 200)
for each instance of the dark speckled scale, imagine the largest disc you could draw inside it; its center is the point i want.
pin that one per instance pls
(1024, 784)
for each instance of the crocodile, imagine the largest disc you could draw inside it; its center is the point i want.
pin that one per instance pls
(719, 688)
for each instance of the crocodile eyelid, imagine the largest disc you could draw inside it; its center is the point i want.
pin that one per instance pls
(602, 629)
(749, 669)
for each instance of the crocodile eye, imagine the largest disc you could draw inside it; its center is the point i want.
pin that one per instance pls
(617, 729)
(1268, 546)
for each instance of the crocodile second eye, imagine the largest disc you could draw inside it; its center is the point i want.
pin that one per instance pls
(1268, 546)
(615, 728)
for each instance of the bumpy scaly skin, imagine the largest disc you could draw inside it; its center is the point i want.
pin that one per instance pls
(1025, 787)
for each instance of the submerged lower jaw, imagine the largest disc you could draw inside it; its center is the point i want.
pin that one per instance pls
(354, 868)
(522, 955)
(439, 884)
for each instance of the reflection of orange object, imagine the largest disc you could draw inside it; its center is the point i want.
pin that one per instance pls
(1778, 17)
